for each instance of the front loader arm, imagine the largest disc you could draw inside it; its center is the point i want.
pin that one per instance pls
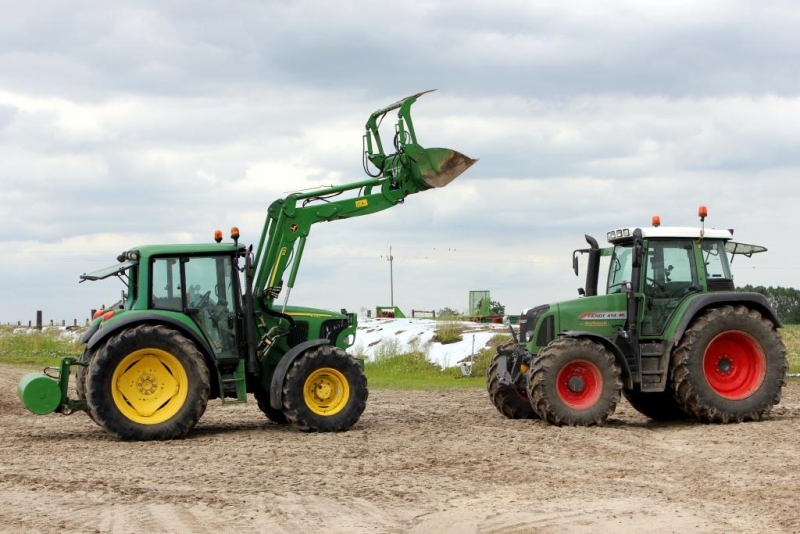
(409, 170)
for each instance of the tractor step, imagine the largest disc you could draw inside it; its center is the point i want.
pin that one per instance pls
(653, 374)
(234, 383)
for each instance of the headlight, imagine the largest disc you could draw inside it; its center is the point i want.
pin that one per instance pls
(528, 336)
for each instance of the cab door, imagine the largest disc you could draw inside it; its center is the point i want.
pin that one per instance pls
(669, 276)
(205, 289)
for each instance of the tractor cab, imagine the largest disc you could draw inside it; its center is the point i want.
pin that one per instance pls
(674, 263)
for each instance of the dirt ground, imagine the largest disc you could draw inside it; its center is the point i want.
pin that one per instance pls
(416, 462)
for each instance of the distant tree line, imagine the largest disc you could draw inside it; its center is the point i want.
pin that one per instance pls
(785, 301)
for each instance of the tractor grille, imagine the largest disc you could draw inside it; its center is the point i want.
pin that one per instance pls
(547, 332)
(331, 329)
(527, 323)
(720, 284)
(298, 334)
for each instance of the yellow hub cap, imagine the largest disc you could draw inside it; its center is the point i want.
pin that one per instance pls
(149, 386)
(326, 391)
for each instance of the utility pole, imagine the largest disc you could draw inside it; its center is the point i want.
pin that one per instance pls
(391, 279)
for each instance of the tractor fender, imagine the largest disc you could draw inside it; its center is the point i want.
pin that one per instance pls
(705, 301)
(127, 321)
(276, 384)
(89, 333)
(627, 379)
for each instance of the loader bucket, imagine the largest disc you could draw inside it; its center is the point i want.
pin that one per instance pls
(440, 166)
(431, 167)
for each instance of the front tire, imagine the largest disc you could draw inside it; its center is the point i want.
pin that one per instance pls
(262, 398)
(325, 390)
(729, 366)
(147, 383)
(509, 401)
(574, 381)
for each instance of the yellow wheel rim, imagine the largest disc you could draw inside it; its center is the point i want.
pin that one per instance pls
(149, 386)
(326, 391)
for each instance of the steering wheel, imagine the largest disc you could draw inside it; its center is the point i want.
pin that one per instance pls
(203, 300)
(660, 285)
(617, 288)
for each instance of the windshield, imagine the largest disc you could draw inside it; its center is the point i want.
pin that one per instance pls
(619, 271)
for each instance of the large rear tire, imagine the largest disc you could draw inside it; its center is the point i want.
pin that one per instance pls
(512, 402)
(80, 377)
(659, 406)
(729, 366)
(147, 383)
(325, 390)
(574, 381)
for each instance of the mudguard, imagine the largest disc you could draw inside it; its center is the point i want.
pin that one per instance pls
(126, 321)
(276, 383)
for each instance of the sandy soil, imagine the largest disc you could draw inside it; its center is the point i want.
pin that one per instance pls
(416, 462)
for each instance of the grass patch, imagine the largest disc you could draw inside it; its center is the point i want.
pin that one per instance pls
(791, 337)
(448, 332)
(46, 347)
(406, 368)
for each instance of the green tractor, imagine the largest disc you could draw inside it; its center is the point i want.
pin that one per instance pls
(198, 322)
(670, 333)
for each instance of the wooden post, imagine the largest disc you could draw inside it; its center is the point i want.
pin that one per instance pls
(38, 319)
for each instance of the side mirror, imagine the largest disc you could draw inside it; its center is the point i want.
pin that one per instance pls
(575, 262)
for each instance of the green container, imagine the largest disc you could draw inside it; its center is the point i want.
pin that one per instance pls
(39, 393)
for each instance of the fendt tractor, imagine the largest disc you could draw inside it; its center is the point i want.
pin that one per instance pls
(189, 328)
(670, 333)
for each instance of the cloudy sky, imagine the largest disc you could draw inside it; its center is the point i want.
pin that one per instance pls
(126, 123)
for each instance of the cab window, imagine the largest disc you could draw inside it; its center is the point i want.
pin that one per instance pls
(619, 272)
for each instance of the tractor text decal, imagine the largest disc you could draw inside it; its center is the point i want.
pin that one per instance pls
(602, 316)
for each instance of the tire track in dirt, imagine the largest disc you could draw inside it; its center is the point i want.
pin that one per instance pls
(415, 462)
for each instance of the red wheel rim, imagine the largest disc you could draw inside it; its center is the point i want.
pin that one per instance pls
(579, 384)
(734, 365)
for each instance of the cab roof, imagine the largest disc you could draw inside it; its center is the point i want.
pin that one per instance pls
(682, 232)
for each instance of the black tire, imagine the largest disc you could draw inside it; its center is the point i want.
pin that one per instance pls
(325, 390)
(730, 365)
(574, 381)
(80, 375)
(659, 406)
(81, 372)
(511, 402)
(262, 398)
(147, 383)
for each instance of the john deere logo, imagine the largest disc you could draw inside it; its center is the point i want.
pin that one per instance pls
(293, 227)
